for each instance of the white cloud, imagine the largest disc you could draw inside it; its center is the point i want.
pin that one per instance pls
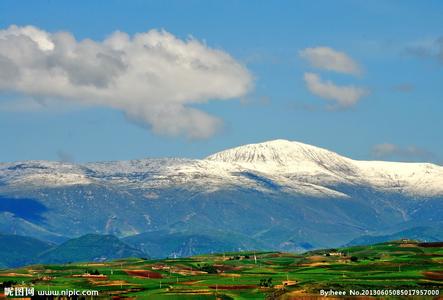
(331, 60)
(153, 77)
(344, 96)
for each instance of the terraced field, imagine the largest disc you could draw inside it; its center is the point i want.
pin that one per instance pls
(399, 266)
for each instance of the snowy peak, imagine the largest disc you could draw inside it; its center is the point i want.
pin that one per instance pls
(278, 152)
(300, 162)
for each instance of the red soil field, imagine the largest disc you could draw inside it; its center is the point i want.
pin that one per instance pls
(431, 245)
(144, 273)
(435, 275)
(233, 287)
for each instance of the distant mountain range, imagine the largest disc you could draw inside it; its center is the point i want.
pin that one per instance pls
(21, 250)
(424, 234)
(277, 195)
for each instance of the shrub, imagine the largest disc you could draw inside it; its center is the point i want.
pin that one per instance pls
(209, 269)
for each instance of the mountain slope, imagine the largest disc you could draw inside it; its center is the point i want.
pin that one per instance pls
(160, 244)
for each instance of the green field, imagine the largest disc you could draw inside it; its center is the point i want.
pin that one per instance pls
(398, 266)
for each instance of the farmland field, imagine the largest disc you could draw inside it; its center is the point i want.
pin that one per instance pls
(393, 267)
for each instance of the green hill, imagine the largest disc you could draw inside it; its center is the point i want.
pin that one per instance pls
(90, 247)
(17, 250)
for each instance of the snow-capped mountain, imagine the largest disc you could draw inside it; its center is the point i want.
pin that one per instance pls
(280, 193)
(299, 167)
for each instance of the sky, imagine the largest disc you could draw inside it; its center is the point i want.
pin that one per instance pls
(114, 80)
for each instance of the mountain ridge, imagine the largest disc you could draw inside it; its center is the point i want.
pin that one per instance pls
(316, 167)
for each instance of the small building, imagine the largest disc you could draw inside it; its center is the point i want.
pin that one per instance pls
(336, 254)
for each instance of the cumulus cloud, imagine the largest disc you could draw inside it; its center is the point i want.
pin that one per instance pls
(154, 77)
(343, 96)
(329, 59)
(409, 153)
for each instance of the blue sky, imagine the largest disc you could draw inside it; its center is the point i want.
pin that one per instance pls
(395, 45)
